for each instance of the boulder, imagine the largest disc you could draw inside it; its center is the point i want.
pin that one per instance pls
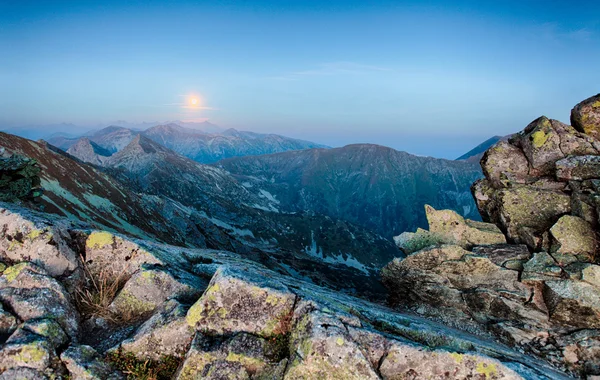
(166, 333)
(31, 294)
(150, 287)
(573, 303)
(578, 168)
(524, 206)
(8, 323)
(27, 238)
(454, 229)
(241, 356)
(49, 329)
(26, 349)
(242, 301)
(574, 236)
(585, 116)
(19, 178)
(410, 242)
(322, 348)
(22, 373)
(84, 363)
(541, 144)
(407, 361)
(504, 164)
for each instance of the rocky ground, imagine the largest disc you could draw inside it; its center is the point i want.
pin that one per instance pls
(515, 297)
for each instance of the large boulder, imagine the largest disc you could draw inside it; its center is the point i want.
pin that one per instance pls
(464, 232)
(504, 163)
(574, 236)
(32, 294)
(585, 116)
(243, 301)
(19, 178)
(84, 363)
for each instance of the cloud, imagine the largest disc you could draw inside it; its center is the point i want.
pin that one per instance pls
(332, 68)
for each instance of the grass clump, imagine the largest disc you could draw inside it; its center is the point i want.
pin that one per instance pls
(99, 290)
(134, 368)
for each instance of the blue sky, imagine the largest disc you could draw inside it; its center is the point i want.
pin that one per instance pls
(432, 78)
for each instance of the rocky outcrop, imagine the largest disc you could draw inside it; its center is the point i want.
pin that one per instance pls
(540, 292)
(18, 178)
(216, 315)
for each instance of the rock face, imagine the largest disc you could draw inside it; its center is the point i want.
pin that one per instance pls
(541, 292)
(217, 315)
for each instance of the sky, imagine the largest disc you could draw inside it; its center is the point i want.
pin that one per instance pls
(431, 78)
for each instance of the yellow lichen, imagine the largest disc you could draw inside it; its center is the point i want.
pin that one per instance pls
(12, 272)
(246, 361)
(272, 300)
(339, 341)
(596, 104)
(148, 275)
(99, 239)
(34, 234)
(222, 312)
(486, 369)
(458, 358)
(194, 314)
(31, 354)
(539, 138)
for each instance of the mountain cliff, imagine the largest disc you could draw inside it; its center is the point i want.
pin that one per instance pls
(373, 186)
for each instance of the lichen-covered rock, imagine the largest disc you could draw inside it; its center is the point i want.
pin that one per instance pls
(576, 237)
(84, 363)
(323, 349)
(541, 145)
(573, 303)
(245, 353)
(456, 230)
(31, 293)
(504, 163)
(117, 257)
(542, 266)
(578, 168)
(166, 333)
(49, 329)
(25, 349)
(150, 287)
(585, 116)
(525, 206)
(26, 238)
(407, 361)
(242, 301)
(410, 242)
(22, 373)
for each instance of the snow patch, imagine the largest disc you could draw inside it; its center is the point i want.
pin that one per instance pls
(314, 251)
(269, 196)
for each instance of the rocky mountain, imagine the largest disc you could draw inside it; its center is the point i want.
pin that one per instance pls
(151, 192)
(530, 276)
(475, 154)
(376, 187)
(194, 143)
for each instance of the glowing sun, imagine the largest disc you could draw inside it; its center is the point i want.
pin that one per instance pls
(194, 101)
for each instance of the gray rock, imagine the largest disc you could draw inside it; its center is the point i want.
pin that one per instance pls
(578, 168)
(25, 349)
(84, 363)
(585, 116)
(504, 163)
(576, 237)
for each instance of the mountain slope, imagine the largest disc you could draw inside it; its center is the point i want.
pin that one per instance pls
(372, 186)
(82, 192)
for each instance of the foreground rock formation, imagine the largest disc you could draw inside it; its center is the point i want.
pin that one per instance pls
(540, 292)
(80, 303)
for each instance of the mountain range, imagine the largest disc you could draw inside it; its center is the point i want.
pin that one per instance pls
(195, 144)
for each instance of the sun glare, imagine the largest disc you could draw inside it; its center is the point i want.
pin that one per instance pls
(194, 101)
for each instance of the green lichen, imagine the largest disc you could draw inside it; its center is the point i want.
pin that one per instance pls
(12, 272)
(34, 234)
(99, 239)
(2, 268)
(539, 138)
(339, 341)
(272, 300)
(194, 315)
(222, 312)
(148, 274)
(127, 302)
(245, 360)
(31, 353)
(488, 370)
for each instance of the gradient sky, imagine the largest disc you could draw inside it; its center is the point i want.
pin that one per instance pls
(432, 78)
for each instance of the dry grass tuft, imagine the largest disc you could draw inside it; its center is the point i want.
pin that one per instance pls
(98, 292)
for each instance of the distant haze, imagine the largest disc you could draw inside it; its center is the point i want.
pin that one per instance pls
(434, 79)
